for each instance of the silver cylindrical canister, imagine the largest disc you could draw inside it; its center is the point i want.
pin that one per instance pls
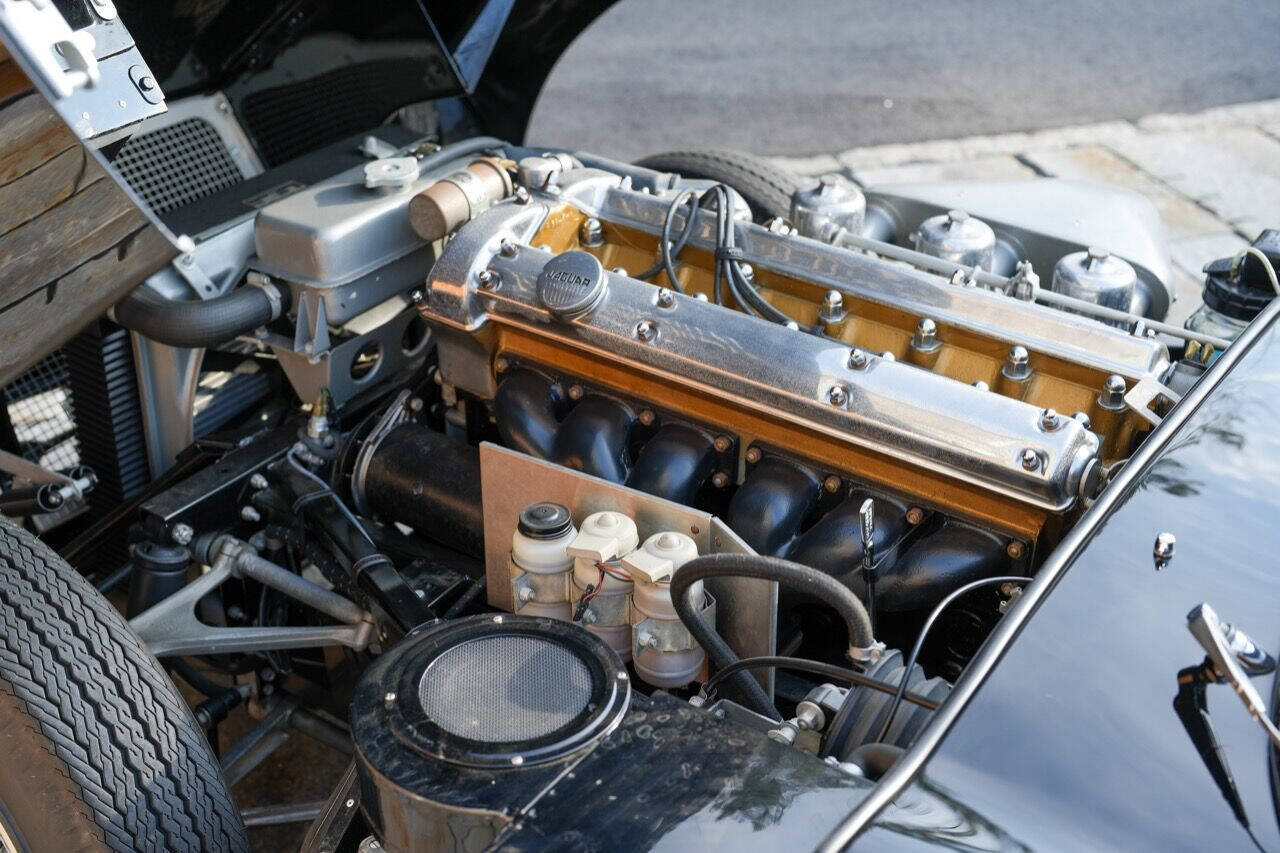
(835, 201)
(957, 237)
(1096, 276)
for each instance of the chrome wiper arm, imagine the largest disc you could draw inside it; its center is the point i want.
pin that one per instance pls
(1234, 657)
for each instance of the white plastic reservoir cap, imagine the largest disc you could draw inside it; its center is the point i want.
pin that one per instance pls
(604, 536)
(662, 553)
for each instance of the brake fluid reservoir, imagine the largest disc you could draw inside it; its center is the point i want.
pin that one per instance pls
(540, 563)
(602, 588)
(665, 653)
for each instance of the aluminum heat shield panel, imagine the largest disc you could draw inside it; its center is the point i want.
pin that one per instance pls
(746, 608)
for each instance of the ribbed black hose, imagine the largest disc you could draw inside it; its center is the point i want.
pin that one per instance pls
(785, 572)
(194, 322)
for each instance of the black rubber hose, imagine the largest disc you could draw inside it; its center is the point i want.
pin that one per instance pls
(192, 322)
(785, 572)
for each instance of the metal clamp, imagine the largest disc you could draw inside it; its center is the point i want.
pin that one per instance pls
(396, 414)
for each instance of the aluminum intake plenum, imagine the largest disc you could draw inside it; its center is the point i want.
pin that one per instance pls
(894, 409)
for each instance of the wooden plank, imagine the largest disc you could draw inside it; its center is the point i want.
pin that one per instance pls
(12, 81)
(49, 315)
(31, 133)
(45, 248)
(47, 186)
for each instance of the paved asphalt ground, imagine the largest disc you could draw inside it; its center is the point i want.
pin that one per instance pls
(807, 77)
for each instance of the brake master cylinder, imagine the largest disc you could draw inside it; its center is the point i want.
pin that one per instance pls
(602, 587)
(666, 655)
(540, 564)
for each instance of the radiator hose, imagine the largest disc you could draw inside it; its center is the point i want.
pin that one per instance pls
(193, 323)
(785, 572)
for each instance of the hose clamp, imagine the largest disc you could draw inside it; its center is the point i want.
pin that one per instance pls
(868, 654)
(269, 289)
(396, 414)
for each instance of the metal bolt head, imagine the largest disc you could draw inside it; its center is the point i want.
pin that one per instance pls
(389, 699)
(981, 386)
(753, 455)
(779, 225)
(1030, 459)
(832, 310)
(258, 481)
(248, 513)
(620, 271)
(646, 417)
(722, 443)
(838, 396)
(507, 248)
(748, 271)
(488, 279)
(182, 534)
(925, 338)
(915, 515)
(720, 479)
(1163, 549)
(858, 360)
(1049, 420)
(1017, 365)
(793, 325)
(500, 365)
(646, 330)
(665, 297)
(521, 195)
(576, 392)
(591, 232)
(1083, 419)
(832, 484)
(419, 298)
(1015, 550)
(1113, 391)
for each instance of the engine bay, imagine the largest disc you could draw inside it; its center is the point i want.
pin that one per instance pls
(585, 445)
(575, 467)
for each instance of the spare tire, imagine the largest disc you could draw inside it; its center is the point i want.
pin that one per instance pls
(766, 188)
(100, 751)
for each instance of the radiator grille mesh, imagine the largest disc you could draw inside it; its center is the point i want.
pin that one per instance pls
(177, 164)
(505, 689)
(39, 407)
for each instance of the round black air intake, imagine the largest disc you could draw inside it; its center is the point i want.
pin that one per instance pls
(465, 721)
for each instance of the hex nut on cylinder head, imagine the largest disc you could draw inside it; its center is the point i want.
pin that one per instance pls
(646, 330)
(858, 359)
(1049, 420)
(838, 396)
(591, 232)
(665, 297)
(753, 455)
(1030, 459)
(1017, 366)
(1113, 391)
(925, 338)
